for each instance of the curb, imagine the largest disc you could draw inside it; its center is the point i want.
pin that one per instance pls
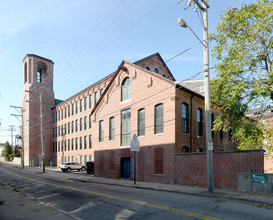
(215, 196)
(205, 194)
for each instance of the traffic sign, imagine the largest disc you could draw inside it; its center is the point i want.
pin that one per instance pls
(134, 144)
(210, 146)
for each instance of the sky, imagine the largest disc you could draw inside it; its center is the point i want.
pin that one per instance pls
(87, 40)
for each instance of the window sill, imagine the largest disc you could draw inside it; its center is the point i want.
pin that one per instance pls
(185, 133)
(127, 146)
(158, 134)
(123, 102)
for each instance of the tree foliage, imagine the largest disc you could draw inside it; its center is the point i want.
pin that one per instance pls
(244, 54)
(7, 151)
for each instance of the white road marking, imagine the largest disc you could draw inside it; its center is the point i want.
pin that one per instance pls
(86, 206)
(124, 214)
(50, 195)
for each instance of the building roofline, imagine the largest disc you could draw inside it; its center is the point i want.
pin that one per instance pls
(160, 58)
(87, 88)
(120, 67)
(34, 55)
(113, 74)
(193, 80)
(178, 85)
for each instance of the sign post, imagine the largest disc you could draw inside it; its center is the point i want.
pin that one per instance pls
(134, 146)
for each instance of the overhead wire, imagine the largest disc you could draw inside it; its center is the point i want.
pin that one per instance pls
(191, 77)
(200, 72)
(137, 32)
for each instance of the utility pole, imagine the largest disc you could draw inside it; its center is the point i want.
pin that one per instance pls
(209, 143)
(21, 112)
(11, 129)
(42, 133)
(23, 139)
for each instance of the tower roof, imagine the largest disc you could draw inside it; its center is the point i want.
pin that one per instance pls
(34, 55)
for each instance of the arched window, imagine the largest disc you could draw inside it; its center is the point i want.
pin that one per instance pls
(112, 128)
(158, 119)
(185, 118)
(101, 131)
(155, 70)
(126, 89)
(199, 122)
(25, 72)
(141, 122)
(185, 150)
(147, 68)
(41, 73)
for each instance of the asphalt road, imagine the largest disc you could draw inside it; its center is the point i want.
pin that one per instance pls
(82, 200)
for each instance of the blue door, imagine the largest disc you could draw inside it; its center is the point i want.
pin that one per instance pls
(126, 167)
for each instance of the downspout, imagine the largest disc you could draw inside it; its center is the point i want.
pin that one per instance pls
(191, 124)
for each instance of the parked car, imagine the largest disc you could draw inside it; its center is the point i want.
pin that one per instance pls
(67, 167)
(89, 167)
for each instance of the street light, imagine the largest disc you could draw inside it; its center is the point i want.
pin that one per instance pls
(205, 43)
(183, 24)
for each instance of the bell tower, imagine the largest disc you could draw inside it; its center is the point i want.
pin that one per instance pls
(38, 95)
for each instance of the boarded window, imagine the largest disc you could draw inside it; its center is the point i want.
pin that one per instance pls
(112, 160)
(159, 161)
(101, 161)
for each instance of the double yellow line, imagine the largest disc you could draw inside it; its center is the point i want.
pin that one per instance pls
(166, 208)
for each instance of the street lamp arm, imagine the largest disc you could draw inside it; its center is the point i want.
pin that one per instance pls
(183, 24)
(197, 36)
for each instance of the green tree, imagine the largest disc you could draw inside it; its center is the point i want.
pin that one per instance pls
(244, 53)
(7, 151)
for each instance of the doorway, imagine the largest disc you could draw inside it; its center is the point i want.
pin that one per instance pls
(126, 167)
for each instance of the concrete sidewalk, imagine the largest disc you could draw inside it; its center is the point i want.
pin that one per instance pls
(259, 199)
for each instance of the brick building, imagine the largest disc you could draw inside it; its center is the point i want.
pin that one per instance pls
(97, 123)
(265, 116)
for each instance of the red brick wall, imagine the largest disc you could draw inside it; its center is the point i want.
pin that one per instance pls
(182, 169)
(191, 168)
(148, 168)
